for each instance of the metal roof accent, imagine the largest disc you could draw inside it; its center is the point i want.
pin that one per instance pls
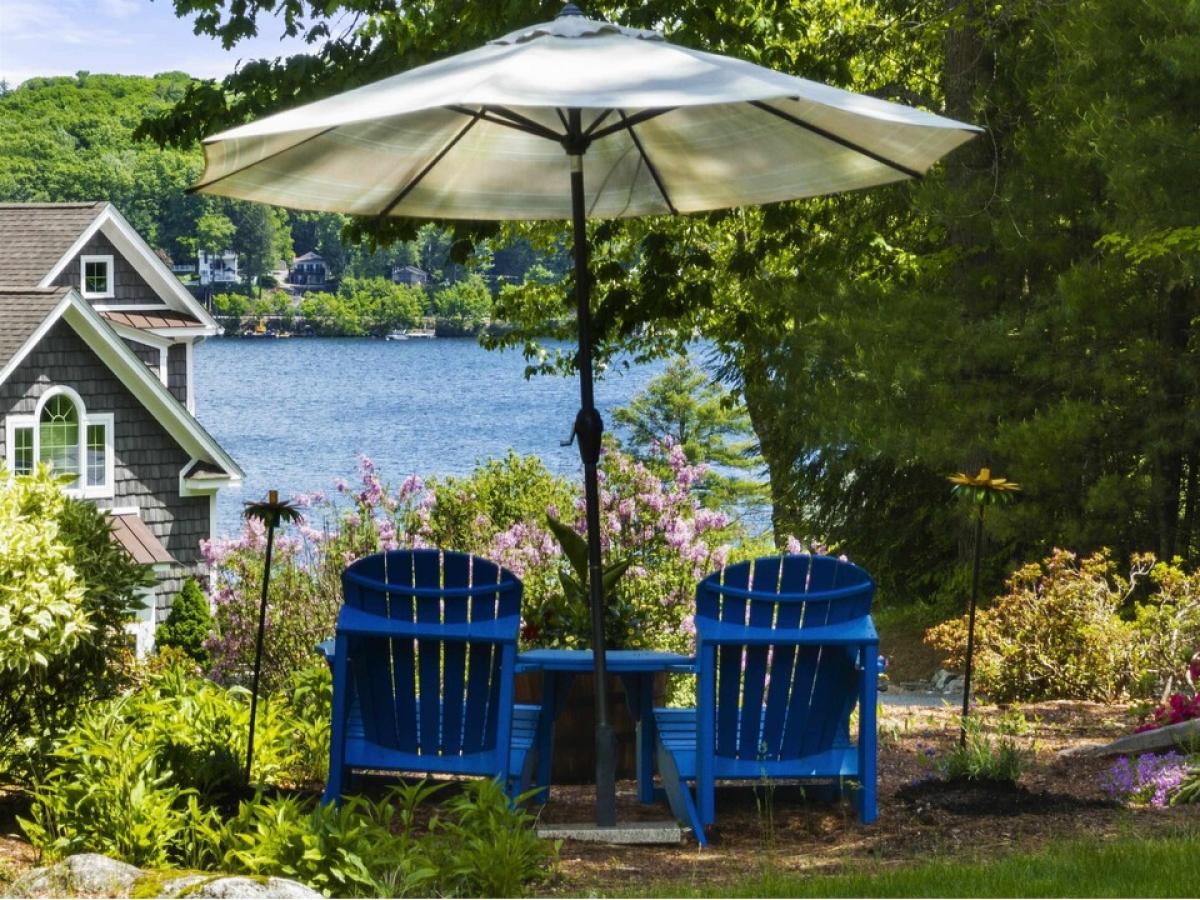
(136, 539)
(168, 318)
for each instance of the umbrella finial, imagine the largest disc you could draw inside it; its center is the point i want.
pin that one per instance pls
(570, 10)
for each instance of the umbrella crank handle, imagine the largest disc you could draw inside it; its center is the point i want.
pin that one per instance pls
(589, 428)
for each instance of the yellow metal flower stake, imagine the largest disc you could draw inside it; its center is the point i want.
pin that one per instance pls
(982, 490)
(271, 512)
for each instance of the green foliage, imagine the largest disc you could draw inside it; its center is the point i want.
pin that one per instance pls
(469, 511)
(153, 779)
(41, 616)
(1056, 633)
(188, 624)
(466, 304)
(68, 591)
(576, 583)
(983, 757)
(685, 406)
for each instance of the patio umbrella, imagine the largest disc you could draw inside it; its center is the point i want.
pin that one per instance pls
(634, 126)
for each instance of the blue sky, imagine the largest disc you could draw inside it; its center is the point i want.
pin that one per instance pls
(129, 37)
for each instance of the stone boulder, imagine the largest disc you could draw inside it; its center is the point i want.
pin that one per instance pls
(93, 875)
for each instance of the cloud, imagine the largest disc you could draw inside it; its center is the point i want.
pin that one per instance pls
(67, 23)
(119, 9)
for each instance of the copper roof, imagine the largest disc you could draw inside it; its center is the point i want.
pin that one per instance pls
(22, 310)
(168, 318)
(35, 236)
(137, 540)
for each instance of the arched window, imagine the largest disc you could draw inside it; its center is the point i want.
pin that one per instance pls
(63, 434)
(58, 433)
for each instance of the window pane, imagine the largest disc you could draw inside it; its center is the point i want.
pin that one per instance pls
(22, 450)
(96, 462)
(95, 277)
(59, 434)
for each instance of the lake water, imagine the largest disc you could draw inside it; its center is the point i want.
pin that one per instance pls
(296, 413)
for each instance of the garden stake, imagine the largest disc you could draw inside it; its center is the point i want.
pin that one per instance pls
(270, 512)
(983, 489)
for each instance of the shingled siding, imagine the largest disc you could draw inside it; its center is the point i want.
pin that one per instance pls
(146, 353)
(129, 287)
(177, 372)
(147, 460)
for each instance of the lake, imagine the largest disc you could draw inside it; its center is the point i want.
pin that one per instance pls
(296, 413)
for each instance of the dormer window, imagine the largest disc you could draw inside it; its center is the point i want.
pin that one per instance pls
(96, 276)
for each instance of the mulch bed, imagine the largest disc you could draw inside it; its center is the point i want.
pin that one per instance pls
(919, 817)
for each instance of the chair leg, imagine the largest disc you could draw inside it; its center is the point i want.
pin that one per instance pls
(333, 785)
(868, 809)
(683, 807)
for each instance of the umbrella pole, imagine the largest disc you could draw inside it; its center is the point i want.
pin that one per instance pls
(588, 430)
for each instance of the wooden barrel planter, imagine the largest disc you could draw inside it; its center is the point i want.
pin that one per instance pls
(575, 729)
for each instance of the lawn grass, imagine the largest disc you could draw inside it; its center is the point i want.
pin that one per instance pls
(1125, 867)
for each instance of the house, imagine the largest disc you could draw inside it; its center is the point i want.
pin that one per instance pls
(411, 275)
(309, 270)
(218, 268)
(96, 347)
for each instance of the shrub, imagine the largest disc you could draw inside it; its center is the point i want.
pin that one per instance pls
(188, 624)
(154, 778)
(983, 757)
(1056, 633)
(499, 511)
(66, 592)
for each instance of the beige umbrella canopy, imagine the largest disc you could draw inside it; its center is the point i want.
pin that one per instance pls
(565, 120)
(480, 135)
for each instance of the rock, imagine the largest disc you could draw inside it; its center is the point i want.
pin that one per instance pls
(91, 873)
(46, 881)
(954, 685)
(1172, 737)
(940, 678)
(231, 886)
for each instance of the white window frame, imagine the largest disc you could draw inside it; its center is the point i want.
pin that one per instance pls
(108, 263)
(97, 491)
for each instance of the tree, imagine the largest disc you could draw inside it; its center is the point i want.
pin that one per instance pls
(686, 407)
(263, 238)
(188, 625)
(1029, 304)
(465, 304)
(214, 234)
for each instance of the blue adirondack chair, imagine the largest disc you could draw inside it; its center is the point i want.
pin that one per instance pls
(423, 663)
(785, 649)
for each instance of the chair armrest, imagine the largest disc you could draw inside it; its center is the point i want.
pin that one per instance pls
(855, 632)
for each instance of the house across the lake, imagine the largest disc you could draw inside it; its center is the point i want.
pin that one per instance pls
(96, 344)
(218, 268)
(410, 275)
(309, 270)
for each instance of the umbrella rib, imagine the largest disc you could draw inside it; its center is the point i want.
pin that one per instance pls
(312, 137)
(830, 136)
(407, 189)
(597, 123)
(527, 124)
(649, 165)
(636, 119)
(537, 131)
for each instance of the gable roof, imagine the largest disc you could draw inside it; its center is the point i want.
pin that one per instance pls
(22, 310)
(35, 236)
(38, 240)
(310, 256)
(125, 365)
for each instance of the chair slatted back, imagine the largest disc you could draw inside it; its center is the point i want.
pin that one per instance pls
(776, 699)
(429, 693)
